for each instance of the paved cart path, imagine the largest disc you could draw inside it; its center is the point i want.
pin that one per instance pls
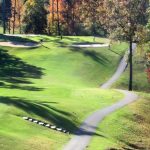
(121, 68)
(84, 134)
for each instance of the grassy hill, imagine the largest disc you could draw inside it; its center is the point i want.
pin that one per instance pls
(140, 82)
(54, 83)
(128, 128)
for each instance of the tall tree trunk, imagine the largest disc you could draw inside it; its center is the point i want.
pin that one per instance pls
(58, 21)
(131, 67)
(4, 16)
(53, 12)
(19, 20)
(9, 28)
(73, 20)
(14, 18)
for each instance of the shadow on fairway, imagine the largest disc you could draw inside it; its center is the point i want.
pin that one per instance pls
(98, 57)
(46, 111)
(14, 71)
(58, 41)
(82, 132)
(14, 39)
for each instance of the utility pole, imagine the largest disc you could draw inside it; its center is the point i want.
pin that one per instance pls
(131, 66)
(4, 16)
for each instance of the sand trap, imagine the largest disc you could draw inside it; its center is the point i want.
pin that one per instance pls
(20, 44)
(23, 35)
(90, 45)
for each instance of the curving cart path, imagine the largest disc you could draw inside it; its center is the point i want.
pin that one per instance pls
(84, 134)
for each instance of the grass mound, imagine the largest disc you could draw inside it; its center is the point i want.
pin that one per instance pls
(54, 83)
(140, 81)
(128, 128)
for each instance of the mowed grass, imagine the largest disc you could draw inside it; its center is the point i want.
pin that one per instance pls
(129, 127)
(140, 81)
(54, 83)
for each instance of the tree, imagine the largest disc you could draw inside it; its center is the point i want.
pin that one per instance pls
(124, 20)
(35, 17)
(71, 16)
(91, 12)
(5, 6)
(55, 16)
(19, 14)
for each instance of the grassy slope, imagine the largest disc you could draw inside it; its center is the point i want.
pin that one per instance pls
(52, 83)
(140, 82)
(129, 127)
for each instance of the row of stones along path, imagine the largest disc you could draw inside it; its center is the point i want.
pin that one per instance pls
(83, 135)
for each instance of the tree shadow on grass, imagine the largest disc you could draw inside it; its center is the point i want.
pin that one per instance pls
(98, 57)
(135, 146)
(15, 39)
(14, 71)
(60, 42)
(49, 113)
(83, 132)
(20, 87)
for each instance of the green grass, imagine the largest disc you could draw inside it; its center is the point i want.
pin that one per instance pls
(54, 83)
(7, 32)
(140, 81)
(128, 128)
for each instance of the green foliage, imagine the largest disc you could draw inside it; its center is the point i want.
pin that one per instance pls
(123, 20)
(140, 81)
(35, 17)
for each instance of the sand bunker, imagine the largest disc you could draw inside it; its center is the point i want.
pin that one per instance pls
(90, 45)
(20, 44)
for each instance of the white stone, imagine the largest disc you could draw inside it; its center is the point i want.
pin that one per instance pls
(35, 121)
(40, 123)
(47, 125)
(25, 118)
(58, 129)
(53, 127)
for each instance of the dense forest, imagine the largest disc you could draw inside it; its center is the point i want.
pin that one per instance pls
(58, 17)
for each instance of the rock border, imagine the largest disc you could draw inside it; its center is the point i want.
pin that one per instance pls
(47, 125)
